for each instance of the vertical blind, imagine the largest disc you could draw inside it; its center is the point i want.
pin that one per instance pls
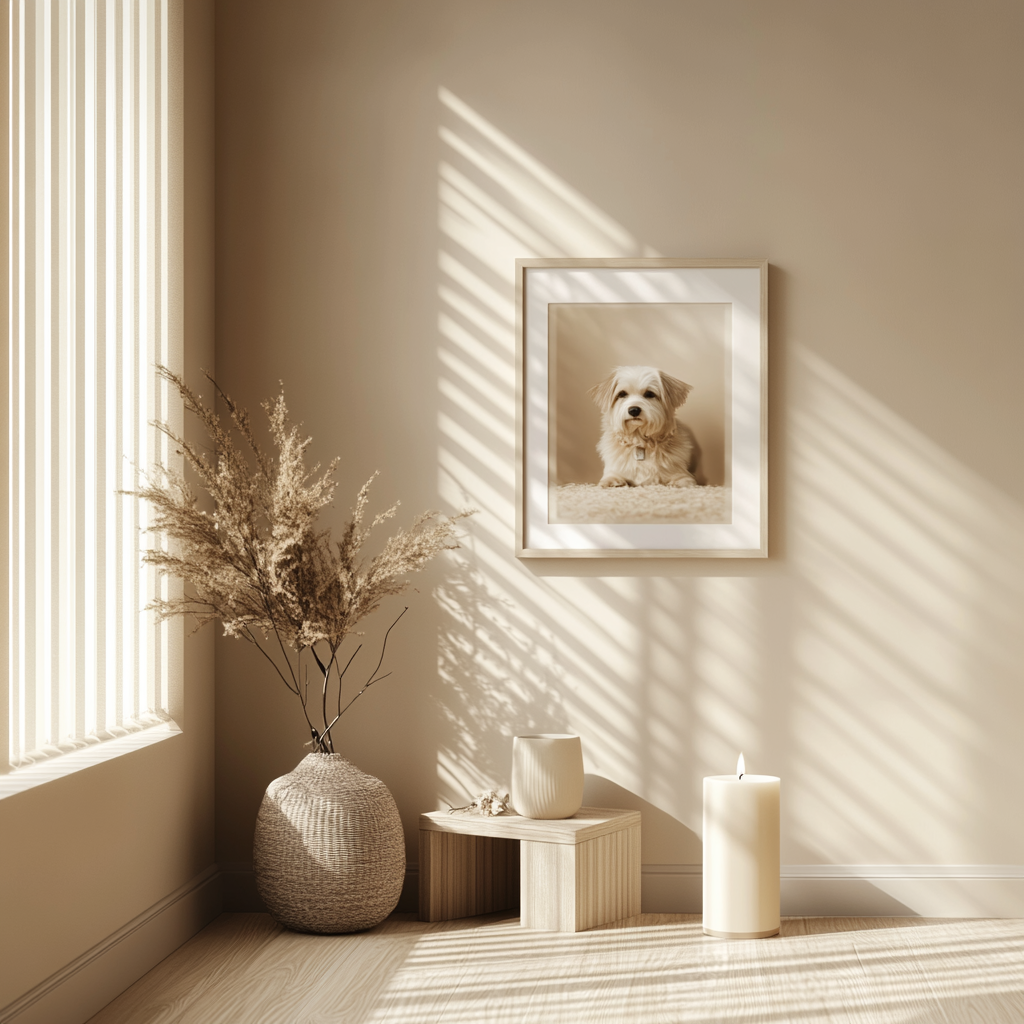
(88, 320)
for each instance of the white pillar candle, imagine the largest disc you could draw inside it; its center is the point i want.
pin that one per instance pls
(741, 855)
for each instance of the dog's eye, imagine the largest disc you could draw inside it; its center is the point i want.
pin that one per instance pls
(650, 394)
(621, 394)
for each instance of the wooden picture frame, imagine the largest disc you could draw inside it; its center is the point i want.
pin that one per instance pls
(695, 329)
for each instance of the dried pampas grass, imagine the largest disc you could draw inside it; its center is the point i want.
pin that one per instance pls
(258, 561)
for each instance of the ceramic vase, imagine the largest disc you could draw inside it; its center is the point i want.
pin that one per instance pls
(547, 775)
(329, 851)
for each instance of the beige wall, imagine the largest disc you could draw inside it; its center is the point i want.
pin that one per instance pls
(380, 166)
(82, 856)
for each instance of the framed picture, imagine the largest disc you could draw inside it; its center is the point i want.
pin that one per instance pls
(641, 408)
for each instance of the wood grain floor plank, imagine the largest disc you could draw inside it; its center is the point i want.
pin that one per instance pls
(651, 969)
(209, 960)
(353, 991)
(278, 983)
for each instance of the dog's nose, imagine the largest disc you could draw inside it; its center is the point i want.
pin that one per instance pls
(634, 410)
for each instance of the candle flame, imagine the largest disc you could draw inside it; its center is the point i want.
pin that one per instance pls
(741, 768)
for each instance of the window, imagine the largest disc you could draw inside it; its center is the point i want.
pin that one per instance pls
(91, 309)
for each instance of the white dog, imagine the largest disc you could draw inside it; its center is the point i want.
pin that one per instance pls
(642, 442)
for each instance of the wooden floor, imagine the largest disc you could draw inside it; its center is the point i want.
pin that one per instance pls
(244, 969)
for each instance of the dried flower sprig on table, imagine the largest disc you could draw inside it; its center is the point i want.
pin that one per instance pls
(491, 804)
(258, 561)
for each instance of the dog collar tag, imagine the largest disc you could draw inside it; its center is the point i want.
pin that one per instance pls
(641, 454)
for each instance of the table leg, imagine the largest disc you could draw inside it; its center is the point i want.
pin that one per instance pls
(570, 888)
(462, 875)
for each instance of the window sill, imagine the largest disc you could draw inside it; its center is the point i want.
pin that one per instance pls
(21, 779)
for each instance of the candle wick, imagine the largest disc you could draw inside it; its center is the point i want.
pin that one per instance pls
(742, 774)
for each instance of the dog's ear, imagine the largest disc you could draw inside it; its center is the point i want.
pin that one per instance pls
(603, 393)
(675, 390)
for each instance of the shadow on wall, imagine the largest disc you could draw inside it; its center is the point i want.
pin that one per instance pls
(505, 657)
(664, 840)
(876, 670)
(907, 649)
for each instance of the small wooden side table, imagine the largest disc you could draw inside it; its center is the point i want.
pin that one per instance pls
(567, 875)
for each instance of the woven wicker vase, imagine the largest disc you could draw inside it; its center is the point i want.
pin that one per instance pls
(329, 852)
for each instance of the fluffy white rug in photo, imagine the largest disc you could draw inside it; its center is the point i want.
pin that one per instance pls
(588, 503)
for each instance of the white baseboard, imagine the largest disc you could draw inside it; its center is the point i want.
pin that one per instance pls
(670, 889)
(808, 890)
(859, 890)
(76, 992)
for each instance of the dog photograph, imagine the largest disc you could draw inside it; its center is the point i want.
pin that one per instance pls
(638, 431)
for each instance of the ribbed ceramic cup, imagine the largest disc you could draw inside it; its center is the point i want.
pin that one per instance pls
(547, 775)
